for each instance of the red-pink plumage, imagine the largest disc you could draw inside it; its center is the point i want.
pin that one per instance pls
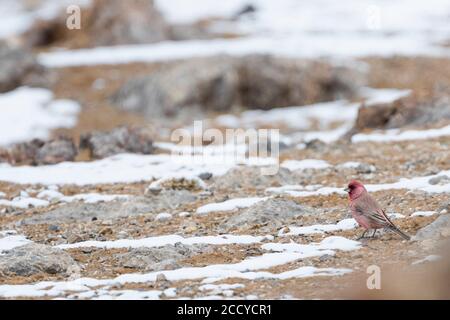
(366, 211)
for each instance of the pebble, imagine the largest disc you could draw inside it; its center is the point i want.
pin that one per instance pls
(205, 175)
(54, 227)
(164, 216)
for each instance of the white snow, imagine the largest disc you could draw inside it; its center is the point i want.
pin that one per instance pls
(29, 113)
(44, 198)
(393, 135)
(10, 240)
(163, 216)
(415, 183)
(345, 224)
(429, 258)
(423, 213)
(229, 205)
(294, 165)
(17, 16)
(246, 269)
(24, 202)
(125, 168)
(160, 241)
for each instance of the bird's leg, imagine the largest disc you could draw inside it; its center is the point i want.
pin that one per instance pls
(374, 233)
(362, 236)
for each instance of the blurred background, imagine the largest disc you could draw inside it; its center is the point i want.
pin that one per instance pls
(83, 80)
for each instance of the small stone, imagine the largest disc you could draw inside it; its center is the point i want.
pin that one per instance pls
(53, 227)
(161, 278)
(442, 179)
(153, 190)
(184, 214)
(122, 235)
(205, 175)
(106, 231)
(163, 217)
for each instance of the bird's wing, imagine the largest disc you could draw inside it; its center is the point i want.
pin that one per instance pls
(368, 207)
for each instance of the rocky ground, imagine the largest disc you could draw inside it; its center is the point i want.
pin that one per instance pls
(149, 227)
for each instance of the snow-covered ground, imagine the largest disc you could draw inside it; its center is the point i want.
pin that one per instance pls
(324, 28)
(28, 113)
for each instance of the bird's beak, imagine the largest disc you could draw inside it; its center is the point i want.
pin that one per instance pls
(346, 189)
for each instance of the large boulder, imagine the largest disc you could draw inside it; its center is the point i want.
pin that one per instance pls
(221, 82)
(434, 230)
(268, 215)
(34, 259)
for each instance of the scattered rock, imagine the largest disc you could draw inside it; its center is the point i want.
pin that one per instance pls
(34, 259)
(435, 229)
(406, 111)
(78, 211)
(119, 140)
(251, 178)
(39, 152)
(267, 215)
(221, 82)
(160, 258)
(205, 175)
(164, 216)
(115, 22)
(56, 151)
(18, 66)
(441, 179)
(176, 183)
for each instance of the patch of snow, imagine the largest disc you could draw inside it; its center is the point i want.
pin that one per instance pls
(294, 165)
(9, 242)
(29, 113)
(229, 205)
(393, 135)
(345, 224)
(164, 216)
(160, 241)
(423, 213)
(24, 202)
(124, 168)
(429, 258)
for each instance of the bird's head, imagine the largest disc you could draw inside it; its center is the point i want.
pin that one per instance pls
(355, 189)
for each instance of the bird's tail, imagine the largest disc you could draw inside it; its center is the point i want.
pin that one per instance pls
(399, 232)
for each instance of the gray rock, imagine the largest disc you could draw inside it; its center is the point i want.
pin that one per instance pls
(189, 85)
(222, 82)
(251, 177)
(205, 175)
(16, 64)
(35, 258)
(270, 214)
(39, 152)
(157, 259)
(119, 140)
(406, 111)
(115, 22)
(441, 179)
(435, 229)
(56, 151)
(79, 211)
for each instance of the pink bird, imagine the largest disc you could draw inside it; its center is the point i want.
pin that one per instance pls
(367, 212)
